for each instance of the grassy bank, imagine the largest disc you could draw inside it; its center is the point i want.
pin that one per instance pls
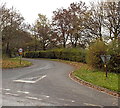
(8, 63)
(94, 76)
(98, 78)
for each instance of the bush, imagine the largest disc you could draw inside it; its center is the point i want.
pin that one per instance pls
(99, 48)
(94, 52)
(58, 53)
(114, 51)
(65, 54)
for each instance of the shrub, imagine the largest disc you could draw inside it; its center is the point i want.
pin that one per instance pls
(58, 53)
(65, 54)
(94, 52)
(114, 51)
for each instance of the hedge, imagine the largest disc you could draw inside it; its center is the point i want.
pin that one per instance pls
(100, 48)
(72, 54)
(114, 51)
(93, 54)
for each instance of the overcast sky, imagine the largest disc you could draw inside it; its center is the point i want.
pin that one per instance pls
(30, 8)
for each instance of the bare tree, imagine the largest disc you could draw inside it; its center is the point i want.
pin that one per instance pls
(42, 29)
(112, 19)
(78, 16)
(60, 25)
(95, 23)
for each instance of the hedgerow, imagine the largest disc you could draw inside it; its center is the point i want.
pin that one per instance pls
(72, 54)
(114, 51)
(90, 56)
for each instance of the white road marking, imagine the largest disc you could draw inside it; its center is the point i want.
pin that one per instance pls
(47, 96)
(24, 81)
(73, 101)
(6, 89)
(40, 78)
(23, 92)
(115, 103)
(28, 81)
(67, 100)
(88, 104)
(61, 99)
(33, 98)
(11, 94)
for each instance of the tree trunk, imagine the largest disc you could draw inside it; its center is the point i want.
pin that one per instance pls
(64, 44)
(8, 52)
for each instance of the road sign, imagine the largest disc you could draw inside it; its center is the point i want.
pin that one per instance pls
(20, 50)
(105, 59)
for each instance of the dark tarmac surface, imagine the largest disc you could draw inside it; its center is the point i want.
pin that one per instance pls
(47, 83)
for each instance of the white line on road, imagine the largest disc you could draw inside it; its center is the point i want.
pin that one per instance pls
(41, 78)
(24, 81)
(88, 104)
(33, 98)
(11, 94)
(61, 99)
(23, 92)
(28, 81)
(47, 96)
(73, 101)
(67, 100)
(6, 89)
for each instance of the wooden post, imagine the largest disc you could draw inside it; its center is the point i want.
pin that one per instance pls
(20, 57)
(106, 66)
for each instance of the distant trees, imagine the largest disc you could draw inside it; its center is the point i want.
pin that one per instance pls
(96, 20)
(60, 25)
(78, 25)
(42, 31)
(69, 23)
(79, 15)
(75, 26)
(112, 19)
(12, 29)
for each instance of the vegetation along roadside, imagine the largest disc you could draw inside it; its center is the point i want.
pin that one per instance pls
(8, 63)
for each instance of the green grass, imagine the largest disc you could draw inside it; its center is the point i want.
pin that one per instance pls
(14, 63)
(98, 78)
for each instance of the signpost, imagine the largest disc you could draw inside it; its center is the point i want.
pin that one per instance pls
(105, 59)
(20, 50)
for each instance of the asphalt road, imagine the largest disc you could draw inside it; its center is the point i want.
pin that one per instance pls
(47, 83)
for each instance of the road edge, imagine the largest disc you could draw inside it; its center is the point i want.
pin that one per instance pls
(101, 89)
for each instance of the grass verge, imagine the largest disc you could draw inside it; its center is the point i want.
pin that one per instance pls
(98, 78)
(8, 63)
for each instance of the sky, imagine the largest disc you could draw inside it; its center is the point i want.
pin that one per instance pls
(30, 8)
